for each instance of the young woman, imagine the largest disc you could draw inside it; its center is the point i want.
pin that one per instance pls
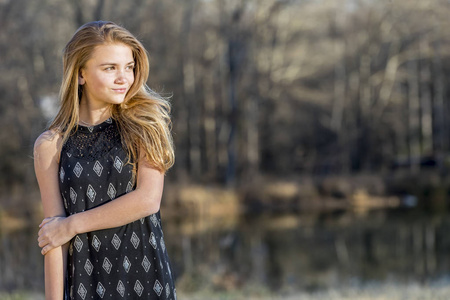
(100, 168)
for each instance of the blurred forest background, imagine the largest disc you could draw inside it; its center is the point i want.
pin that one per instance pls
(278, 102)
(259, 87)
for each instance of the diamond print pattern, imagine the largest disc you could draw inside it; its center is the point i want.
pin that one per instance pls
(111, 191)
(116, 241)
(146, 264)
(126, 264)
(61, 174)
(154, 220)
(98, 168)
(78, 169)
(85, 178)
(163, 245)
(91, 193)
(138, 288)
(129, 187)
(65, 202)
(73, 195)
(82, 291)
(120, 288)
(118, 164)
(167, 290)
(158, 288)
(135, 240)
(100, 290)
(88, 267)
(107, 265)
(152, 240)
(78, 243)
(96, 243)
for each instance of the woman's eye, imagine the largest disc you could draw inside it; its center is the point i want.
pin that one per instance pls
(130, 67)
(109, 68)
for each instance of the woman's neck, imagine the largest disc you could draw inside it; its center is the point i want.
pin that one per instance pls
(94, 117)
(91, 116)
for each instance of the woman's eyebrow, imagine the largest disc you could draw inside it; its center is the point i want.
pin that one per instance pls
(114, 64)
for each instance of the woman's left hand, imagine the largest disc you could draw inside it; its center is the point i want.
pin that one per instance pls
(54, 232)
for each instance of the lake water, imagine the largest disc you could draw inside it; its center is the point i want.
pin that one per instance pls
(277, 253)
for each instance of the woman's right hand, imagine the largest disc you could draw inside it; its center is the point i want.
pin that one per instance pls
(54, 232)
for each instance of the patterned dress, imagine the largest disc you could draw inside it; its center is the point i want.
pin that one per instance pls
(127, 262)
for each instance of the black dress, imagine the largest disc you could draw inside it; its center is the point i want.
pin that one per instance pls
(127, 262)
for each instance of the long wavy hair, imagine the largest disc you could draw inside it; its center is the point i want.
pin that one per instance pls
(143, 117)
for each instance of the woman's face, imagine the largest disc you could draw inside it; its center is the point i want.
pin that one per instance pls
(107, 75)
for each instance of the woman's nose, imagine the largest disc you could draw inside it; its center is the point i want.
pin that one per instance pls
(121, 78)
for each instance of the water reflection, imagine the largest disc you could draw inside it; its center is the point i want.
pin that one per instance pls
(288, 252)
(314, 251)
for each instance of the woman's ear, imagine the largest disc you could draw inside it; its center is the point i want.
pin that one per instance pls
(81, 80)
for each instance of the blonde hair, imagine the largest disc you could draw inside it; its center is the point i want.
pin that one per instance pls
(143, 117)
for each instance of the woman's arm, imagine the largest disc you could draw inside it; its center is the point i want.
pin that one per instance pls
(46, 169)
(143, 201)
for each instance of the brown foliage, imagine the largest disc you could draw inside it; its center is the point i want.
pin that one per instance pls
(277, 87)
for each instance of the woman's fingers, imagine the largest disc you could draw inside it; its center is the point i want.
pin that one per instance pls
(42, 240)
(45, 221)
(42, 243)
(45, 247)
(41, 234)
(52, 234)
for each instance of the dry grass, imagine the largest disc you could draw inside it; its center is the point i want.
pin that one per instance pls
(438, 291)
(371, 292)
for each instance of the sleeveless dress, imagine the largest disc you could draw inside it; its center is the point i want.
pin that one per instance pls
(127, 262)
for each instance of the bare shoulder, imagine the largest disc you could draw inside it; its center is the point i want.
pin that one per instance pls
(47, 145)
(46, 161)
